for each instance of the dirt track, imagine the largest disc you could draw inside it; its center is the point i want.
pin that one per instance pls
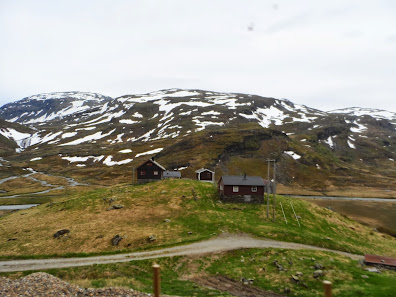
(221, 243)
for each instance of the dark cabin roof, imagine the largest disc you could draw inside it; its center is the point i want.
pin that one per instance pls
(240, 180)
(154, 162)
(175, 174)
(202, 170)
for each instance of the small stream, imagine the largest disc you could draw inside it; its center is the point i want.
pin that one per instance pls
(71, 181)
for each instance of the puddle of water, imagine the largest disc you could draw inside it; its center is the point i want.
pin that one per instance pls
(345, 198)
(14, 207)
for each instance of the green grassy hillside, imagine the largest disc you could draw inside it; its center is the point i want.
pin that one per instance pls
(146, 209)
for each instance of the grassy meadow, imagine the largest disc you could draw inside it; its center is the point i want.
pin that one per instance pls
(195, 214)
(146, 207)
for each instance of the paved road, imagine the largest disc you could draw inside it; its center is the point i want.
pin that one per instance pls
(222, 243)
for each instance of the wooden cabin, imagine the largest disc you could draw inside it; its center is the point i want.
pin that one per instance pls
(205, 174)
(241, 189)
(150, 171)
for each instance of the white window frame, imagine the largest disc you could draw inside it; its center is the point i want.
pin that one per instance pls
(155, 172)
(254, 189)
(235, 189)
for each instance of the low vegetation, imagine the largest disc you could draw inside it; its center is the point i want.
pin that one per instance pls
(189, 276)
(175, 212)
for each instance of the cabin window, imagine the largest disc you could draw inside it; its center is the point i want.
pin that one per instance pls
(235, 189)
(142, 172)
(156, 172)
(254, 189)
(221, 187)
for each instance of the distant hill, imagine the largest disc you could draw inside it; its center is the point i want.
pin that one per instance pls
(89, 135)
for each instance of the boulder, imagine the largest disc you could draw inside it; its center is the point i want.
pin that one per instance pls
(116, 240)
(318, 273)
(59, 233)
(152, 238)
(318, 266)
(115, 206)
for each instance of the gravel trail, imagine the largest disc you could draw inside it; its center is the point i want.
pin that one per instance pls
(224, 242)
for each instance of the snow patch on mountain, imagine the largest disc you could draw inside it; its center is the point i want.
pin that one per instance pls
(292, 154)
(13, 134)
(155, 151)
(109, 162)
(89, 138)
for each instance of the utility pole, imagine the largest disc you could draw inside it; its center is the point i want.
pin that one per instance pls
(274, 193)
(268, 186)
(269, 183)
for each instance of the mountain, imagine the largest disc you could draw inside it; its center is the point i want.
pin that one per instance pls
(100, 139)
(51, 106)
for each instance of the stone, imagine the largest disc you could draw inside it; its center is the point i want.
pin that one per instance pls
(167, 221)
(189, 233)
(295, 278)
(299, 273)
(286, 290)
(318, 266)
(116, 240)
(318, 273)
(152, 238)
(60, 233)
(365, 276)
(313, 259)
(372, 269)
(303, 285)
(280, 267)
(115, 206)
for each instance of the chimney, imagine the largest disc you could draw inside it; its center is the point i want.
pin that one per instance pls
(244, 176)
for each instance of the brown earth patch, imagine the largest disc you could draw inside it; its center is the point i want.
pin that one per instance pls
(233, 287)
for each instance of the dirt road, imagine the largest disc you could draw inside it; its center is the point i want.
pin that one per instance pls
(222, 243)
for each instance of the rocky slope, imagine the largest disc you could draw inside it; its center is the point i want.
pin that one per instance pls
(77, 133)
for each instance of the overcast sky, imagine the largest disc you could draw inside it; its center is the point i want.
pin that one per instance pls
(324, 54)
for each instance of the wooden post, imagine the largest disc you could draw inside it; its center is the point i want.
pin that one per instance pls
(327, 288)
(156, 280)
(133, 176)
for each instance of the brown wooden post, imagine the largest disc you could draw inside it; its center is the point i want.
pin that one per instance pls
(327, 288)
(156, 280)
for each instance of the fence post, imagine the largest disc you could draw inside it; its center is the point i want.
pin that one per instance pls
(156, 280)
(327, 288)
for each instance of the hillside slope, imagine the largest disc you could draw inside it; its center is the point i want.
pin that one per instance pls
(101, 139)
(168, 211)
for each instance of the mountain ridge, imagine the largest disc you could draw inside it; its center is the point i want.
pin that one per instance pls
(197, 128)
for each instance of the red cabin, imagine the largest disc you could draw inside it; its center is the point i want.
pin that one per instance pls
(242, 189)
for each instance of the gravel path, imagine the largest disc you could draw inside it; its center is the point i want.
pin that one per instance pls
(225, 242)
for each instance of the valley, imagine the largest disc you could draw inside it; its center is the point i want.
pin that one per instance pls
(74, 154)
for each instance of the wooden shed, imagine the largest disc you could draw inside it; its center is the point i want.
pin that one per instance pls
(150, 171)
(241, 189)
(205, 174)
(172, 174)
